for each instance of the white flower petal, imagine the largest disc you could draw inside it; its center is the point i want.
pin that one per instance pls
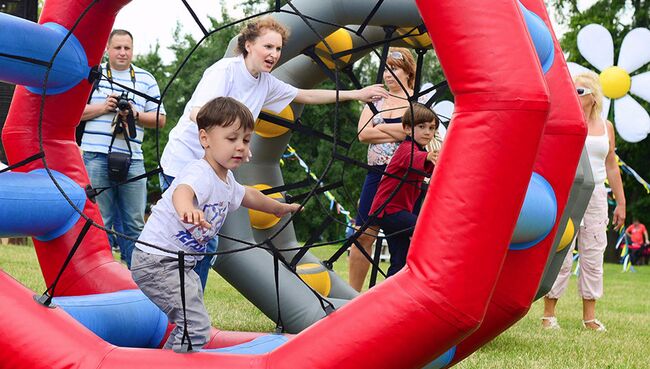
(632, 121)
(641, 85)
(576, 69)
(606, 103)
(444, 109)
(596, 46)
(584, 5)
(635, 50)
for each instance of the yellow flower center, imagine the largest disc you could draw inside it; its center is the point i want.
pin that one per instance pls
(615, 81)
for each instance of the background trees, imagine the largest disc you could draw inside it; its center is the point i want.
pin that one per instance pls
(316, 153)
(619, 17)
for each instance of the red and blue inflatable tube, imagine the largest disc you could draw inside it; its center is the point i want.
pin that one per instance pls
(557, 160)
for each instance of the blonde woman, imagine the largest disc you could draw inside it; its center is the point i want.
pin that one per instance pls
(592, 239)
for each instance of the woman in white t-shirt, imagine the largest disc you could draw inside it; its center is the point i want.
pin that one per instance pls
(247, 79)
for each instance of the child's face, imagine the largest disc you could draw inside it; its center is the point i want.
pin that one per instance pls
(226, 148)
(423, 132)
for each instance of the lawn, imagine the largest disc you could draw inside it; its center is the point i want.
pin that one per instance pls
(625, 309)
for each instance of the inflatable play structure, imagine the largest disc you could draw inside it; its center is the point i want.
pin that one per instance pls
(508, 169)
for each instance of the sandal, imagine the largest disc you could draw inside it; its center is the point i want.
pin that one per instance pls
(601, 326)
(552, 322)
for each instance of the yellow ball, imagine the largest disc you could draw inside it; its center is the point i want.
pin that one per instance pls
(267, 129)
(316, 276)
(567, 236)
(338, 41)
(420, 41)
(616, 82)
(260, 219)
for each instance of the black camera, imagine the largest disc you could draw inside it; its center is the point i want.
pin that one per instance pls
(123, 105)
(123, 102)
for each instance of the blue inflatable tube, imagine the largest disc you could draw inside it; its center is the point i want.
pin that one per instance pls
(31, 205)
(26, 48)
(124, 318)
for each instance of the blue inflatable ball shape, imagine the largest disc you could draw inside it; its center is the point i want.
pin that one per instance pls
(443, 360)
(542, 38)
(537, 215)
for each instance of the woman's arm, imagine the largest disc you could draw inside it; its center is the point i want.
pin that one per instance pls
(368, 133)
(366, 94)
(614, 179)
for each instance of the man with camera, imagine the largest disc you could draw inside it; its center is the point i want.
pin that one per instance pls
(115, 119)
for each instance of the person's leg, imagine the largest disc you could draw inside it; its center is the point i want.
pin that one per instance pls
(165, 181)
(158, 278)
(198, 320)
(118, 227)
(557, 290)
(97, 168)
(203, 267)
(131, 202)
(635, 256)
(593, 241)
(358, 264)
(399, 229)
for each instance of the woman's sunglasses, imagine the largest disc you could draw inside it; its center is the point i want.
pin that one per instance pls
(396, 55)
(582, 91)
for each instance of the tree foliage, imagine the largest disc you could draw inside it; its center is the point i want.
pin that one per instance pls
(316, 153)
(619, 17)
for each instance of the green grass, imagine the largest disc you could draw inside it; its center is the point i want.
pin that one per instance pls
(625, 309)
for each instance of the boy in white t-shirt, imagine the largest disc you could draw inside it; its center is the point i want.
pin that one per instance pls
(190, 214)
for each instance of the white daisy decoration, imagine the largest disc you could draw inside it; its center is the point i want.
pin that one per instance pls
(619, 84)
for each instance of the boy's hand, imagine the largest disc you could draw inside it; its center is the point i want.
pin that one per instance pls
(196, 217)
(286, 208)
(432, 156)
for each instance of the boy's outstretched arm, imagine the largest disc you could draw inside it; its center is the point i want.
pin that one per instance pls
(254, 199)
(183, 200)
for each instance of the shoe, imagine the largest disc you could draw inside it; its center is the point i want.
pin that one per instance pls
(552, 322)
(601, 326)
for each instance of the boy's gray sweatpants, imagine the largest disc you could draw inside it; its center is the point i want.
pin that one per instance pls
(159, 279)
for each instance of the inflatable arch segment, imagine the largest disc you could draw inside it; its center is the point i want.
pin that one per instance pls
(429, 307)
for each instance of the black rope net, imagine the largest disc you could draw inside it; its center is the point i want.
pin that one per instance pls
(325, 181)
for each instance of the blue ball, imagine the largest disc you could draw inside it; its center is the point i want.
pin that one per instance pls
(537, 215)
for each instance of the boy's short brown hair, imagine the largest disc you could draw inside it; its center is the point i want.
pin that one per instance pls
(224, 112)
(419, 113)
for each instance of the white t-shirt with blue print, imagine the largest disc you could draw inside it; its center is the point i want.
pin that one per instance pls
(214, 197)
(98, 132)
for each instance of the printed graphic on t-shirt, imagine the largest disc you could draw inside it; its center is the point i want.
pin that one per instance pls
(195, 237)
